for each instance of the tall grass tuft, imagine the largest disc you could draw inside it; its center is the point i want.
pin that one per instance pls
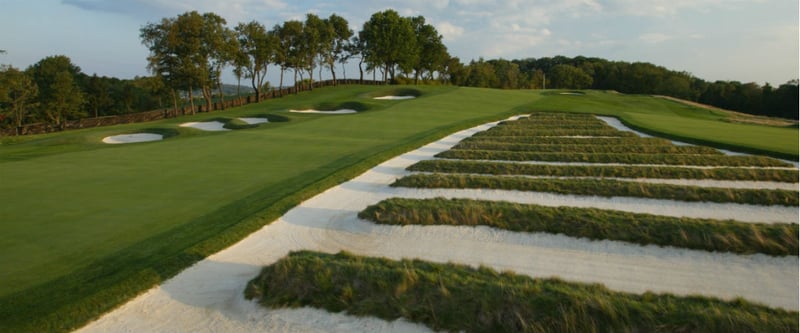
(461, 298)
(779, 239)
(604, 188)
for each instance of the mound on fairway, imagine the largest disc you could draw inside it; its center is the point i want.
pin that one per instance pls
(395, 97)
(212, 126)
(340, 111)
(132, 138)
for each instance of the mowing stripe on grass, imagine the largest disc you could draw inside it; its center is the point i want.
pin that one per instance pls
(671, 159)
(604, 188)
(620, 171)
(461, 298)
(778, 239)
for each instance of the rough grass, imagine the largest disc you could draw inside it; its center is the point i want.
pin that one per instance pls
(547, 131)
(608, 171)
(460, 298)
(779, 239)
(630, 158)
(603, 188)
(638, 141)
(591, 148)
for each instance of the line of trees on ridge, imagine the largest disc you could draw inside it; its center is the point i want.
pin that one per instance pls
(190, 52)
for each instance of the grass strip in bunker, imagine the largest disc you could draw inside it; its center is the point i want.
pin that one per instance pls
(547, 131)
(665, 159)
(608, 171)
(603, 188)
(591, 148)
(637, 141)
(778, 239)
(457, 297)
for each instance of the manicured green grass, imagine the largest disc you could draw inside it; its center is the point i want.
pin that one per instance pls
(461, 298)
(778, 239)
(678, 121)
(624, 158)
(586, 148)
(608, 171)
(88, 225)
(603, 188)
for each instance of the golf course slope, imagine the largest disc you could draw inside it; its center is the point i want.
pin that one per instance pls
(130, 218)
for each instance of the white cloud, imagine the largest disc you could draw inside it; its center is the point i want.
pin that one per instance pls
(449, 31)
(653, 38)
(662, 8)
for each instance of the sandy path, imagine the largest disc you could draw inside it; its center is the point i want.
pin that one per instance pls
(208, 297)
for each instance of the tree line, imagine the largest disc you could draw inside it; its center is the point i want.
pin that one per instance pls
(631, 78)
(190, 52)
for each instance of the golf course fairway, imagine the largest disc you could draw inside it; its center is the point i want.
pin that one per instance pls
(86, 225)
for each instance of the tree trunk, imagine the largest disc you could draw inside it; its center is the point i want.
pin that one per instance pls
(361, 71)
(174, 102)
(333, 73)
(295, 81)
(221, 95)
(191, 99)
(207, 95)
(257, 89)
(280, 86)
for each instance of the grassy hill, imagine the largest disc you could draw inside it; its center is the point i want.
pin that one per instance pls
(87, 225)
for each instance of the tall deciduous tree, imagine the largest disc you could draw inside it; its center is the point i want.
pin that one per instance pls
(431, 51)
(60, 98)
(258, 46)
(389, 42)
(66, 100)
(568, 77)
(338, 43)
(184, 50)
(18, 95)
(290, 47)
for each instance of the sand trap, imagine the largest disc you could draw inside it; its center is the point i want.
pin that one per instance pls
(213, 126)
(342, 111)
(132, 138)
(208, 297)
(395, 97)
(254, 121)
(572, 93)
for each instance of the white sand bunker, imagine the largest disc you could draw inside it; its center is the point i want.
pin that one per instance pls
(206, 126)
(254, 121)
(395, 97)
(132, 138)
(342, 111)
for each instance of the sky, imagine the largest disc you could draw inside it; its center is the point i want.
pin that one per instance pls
(739, 40)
